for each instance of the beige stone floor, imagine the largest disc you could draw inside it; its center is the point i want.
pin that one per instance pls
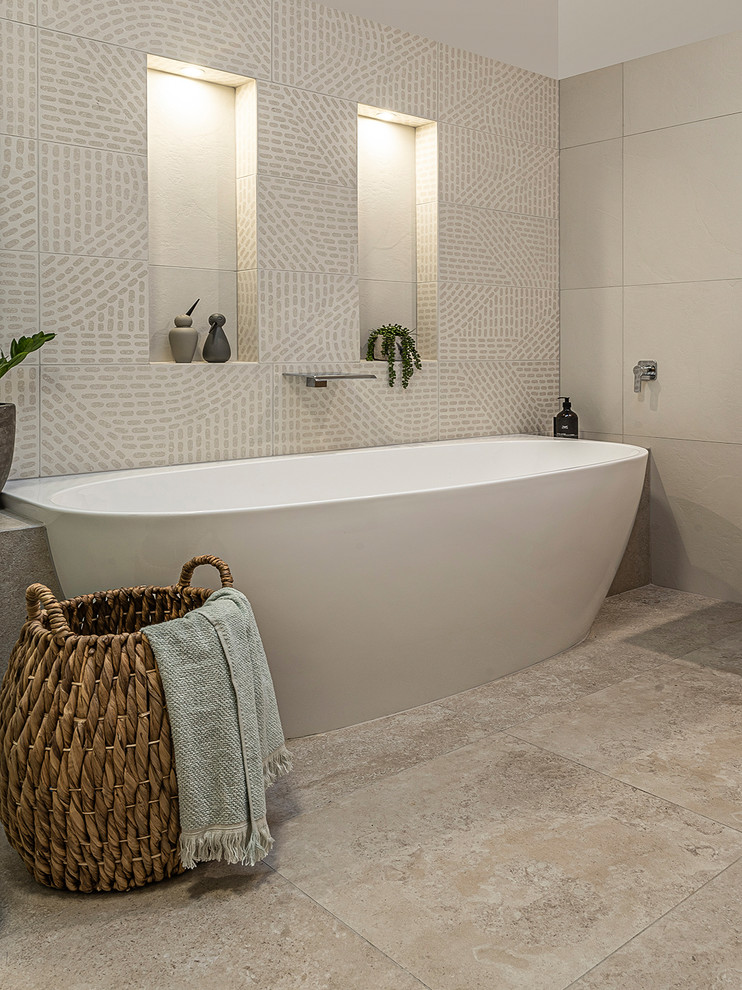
(577, 824)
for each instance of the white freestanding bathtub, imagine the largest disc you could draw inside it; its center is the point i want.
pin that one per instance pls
(381, 578)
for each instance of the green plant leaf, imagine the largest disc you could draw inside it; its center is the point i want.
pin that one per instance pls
(21, 348)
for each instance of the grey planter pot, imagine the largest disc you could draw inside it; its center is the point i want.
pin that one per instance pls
(7, 440)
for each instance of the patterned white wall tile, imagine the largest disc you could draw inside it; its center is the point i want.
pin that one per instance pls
(97, 307)
(354, 413)
(19, 298)
(485, 246)
(18, 68)
(427, 320)
(18, 185)
(306, 317)
(92, 94)
(478, 168)
(306, 136)
(480, 322)
(158, 414)
(247, 243)
(21, 387)
(246, 128)
(173, 290)
(480, 399)
(235, 34)
(427, 242)
(330, 51)
(488, 95)
(307, 227)
(19, 10)
(247, 316)
(426, 163)
(93, 202)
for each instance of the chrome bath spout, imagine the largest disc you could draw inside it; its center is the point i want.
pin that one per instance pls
(320, 380)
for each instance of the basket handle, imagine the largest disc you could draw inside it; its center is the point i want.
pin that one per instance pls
(187, 573)
(39, 597)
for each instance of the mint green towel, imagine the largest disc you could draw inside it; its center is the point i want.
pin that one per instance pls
(227, 736)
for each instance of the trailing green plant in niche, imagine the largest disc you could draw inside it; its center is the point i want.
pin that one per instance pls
(393, 336)
(21, 348)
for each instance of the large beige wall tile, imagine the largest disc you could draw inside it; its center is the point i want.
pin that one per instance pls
(683, 203)
(330, 51)
(480, 168)
(486, 246)
(354, 413)
(591, 356)
(18, 194)
(308, 317)
(19, 10)
(307, 227)
(102, 419)
(247, 317)
(590, 215)
(19, 298)
(93, 202)
(590, 107)
(479, 322)
(306, 136)
(98, 309)
(696, 515)
(18, 72)
(21, 387)
(235, 34)
(683, 84)
(488, 95)
(92, 94)
(692, 329)
(479, 399)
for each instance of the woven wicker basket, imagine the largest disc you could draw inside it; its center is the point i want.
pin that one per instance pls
(88, 794)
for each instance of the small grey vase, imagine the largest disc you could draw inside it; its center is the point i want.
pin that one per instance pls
(7, 440)
(183, 339)
(216, 346)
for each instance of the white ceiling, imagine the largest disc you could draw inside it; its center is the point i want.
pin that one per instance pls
(557, 37)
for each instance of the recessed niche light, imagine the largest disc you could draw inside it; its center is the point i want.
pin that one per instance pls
(193, 72)
(387, 115)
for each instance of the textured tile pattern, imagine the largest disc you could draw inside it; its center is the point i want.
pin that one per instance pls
(19, 298)
(159, 414)
(306, 136)
(488, 399)
(330, 51)
(307, 227)
(488, 95)
(306, 317)
(247, 242)
(353, 413)
(247, 316)
(482, 169)
(246, 129)
(427, 320)
(19, 10)
(22, 388)
(92, 94)
(18, 178)
(236, 35)
(426, 163)
(485, 246)
(427, 242)
(18, 68)
(480, 322)
(93, 202)
(98, 308)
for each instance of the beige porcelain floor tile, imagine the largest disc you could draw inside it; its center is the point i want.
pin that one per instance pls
(697, 946)
(675, 732)
(332, 764)
(220, 927)
(724, 654)
(500, 865)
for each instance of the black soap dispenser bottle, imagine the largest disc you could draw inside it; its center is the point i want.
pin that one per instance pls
(565, 421)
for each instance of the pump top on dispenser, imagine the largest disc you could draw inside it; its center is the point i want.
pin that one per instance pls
(565, 421)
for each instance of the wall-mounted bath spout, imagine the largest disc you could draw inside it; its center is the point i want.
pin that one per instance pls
(321, 380)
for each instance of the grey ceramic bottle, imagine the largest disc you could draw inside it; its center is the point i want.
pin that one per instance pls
(216, 348)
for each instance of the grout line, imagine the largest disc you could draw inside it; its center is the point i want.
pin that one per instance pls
(623, 265)
(647, 285)
(345, 924)
(653, 923)
(37, 43)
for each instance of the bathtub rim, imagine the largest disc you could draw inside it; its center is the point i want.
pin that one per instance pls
(37, 493)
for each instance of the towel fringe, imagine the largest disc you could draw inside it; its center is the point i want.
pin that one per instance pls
(277, 765)
(243, 845)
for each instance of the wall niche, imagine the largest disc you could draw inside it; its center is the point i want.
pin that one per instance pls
(202, 165)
